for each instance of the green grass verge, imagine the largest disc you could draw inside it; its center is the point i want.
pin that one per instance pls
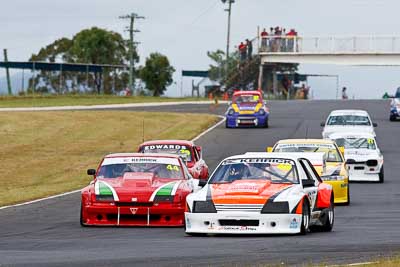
(46, 153)
(78, 100)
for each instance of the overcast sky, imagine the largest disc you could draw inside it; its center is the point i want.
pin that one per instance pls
(185, 30)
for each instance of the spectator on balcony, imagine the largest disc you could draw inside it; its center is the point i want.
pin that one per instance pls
(264, 39)
(277, 40)
(249, 46)
(290, 40)
(242, 51)
(271, 31)
(283, 40)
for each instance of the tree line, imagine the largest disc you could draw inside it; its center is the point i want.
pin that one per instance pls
(99, 46)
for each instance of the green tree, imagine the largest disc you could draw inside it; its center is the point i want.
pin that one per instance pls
(93, 46)
(217, 70)
(157, 73)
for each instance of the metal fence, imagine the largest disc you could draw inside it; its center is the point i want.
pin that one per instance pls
(329, 44)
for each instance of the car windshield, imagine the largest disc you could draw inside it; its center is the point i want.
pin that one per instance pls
(349, 120)
(242, 99)
(332, 154)
(183, 151)
(274, 170)
(168, 168)
(356, 143)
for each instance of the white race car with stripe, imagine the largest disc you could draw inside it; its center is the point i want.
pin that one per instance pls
(262, 193)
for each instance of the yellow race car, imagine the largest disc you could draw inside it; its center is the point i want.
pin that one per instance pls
(334, 172)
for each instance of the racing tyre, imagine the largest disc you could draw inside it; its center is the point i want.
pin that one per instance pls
(305, 218)
(392, 118)
(381, 175)
(266, 125)
(226, 124)
(348, 195)
(329, 215)
(81, 218)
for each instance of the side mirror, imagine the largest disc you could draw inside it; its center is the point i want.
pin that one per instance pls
(322, 124)
(375, 124)
(307, 183)
(202, 182)
(341, 149)
(91, 172)
(350, 161)
(270, 149)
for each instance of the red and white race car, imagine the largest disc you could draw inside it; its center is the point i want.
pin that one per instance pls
(187, 150)
(136, 189)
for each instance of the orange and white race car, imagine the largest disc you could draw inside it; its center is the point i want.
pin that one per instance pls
(261, 193)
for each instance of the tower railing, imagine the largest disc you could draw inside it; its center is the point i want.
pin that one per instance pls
(330, 44)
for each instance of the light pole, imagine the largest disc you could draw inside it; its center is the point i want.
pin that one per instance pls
(228, 38)
(131, 30)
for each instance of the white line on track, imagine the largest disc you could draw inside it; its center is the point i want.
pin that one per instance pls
(111, 106)
(75, 191)
(41, 199)
(354, 264)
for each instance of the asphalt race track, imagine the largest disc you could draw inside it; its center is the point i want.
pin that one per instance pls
(48, 232)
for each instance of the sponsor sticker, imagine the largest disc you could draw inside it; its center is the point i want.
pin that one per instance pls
(164, 147)
(259, 160)
(305, 145)
(138, 160)
(237, 228)
(294, 224)
(243, 187)
(133, 210)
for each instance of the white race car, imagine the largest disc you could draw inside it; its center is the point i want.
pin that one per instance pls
(348, 120)
(262, 193)
(364, 160)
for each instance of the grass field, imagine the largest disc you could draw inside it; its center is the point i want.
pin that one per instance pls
(45, 153)
(77, 100)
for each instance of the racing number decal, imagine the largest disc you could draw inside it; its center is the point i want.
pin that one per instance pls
(370, 141)
(172, 167)
(284, 166)
(185, 151)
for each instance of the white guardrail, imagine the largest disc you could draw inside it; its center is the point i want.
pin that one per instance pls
(330, 44)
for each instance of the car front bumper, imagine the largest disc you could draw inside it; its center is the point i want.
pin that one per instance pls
(112, 215)
(395, 113)
(253, 120)
(242, 223)
(363, 173)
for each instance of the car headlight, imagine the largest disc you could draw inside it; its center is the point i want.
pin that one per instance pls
(231, 112)
(276, 207)
(204, 207)
(262, 112)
